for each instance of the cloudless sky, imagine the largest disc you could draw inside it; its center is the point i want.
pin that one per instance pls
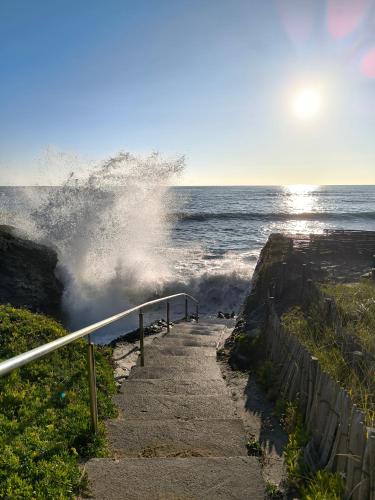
(211, 79)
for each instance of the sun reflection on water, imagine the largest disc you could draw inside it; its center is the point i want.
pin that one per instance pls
(301, 199)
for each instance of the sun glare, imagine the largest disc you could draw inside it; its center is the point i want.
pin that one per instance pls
(306, 103)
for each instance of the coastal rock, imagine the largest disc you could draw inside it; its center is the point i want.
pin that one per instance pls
(27, 274)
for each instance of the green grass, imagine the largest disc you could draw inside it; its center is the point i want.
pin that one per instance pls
(356, 306)
(44, 411)
(254, 448)
(324, 486)
(273, 492)
(321, 342)
(321, 485)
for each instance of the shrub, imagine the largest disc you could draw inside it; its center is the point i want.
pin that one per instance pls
(44, 415)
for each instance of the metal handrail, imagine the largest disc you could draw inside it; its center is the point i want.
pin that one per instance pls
(38, 352)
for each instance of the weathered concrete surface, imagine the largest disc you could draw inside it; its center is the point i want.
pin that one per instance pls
(177, 435)
(197, 338)
(187, 341)
(152, 387)
(175, 438)
(175, 406)
(176, 373)
(235, 478)
(154, 351)
(157, 359)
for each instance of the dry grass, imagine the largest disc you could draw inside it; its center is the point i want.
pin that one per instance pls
(321, 341)
(356, 305)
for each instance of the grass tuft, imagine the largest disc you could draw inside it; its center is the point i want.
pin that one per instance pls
(324, 486)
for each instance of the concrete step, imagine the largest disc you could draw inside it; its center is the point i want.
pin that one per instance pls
(186, 340)
(157, 359)
(235, 478)
(200, 325)
(161, 349)
(175, 372)
(196, 330)
(174, 407)
(212, 340)
(177, 438)
(190, 387)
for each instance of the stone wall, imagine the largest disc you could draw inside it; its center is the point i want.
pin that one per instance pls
(286, 273)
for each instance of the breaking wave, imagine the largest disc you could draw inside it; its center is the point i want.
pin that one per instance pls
(276, 216)
(112, 230)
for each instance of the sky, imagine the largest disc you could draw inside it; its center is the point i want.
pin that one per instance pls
(214, 80)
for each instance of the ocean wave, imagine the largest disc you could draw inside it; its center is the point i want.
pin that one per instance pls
(222, 291)
(273, 216)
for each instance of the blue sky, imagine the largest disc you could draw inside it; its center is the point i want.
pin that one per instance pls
(211, 79)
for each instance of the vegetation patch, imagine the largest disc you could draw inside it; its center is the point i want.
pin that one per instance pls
(251, 347)
(322, 485)
(321, 341)
(44, 410)
(254, 448)
(276, 249)
(356, 306)
(273, 492)
(267, 377)
(298, 438)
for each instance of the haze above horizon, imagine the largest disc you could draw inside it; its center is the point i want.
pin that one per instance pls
(253, 93)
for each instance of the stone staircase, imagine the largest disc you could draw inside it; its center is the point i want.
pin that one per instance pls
(177, 435)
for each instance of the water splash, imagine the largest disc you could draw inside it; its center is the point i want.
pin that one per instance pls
(111, 229)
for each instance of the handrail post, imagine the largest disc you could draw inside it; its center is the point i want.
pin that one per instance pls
(168, 317)
(186, 308)
(197, 312)
(141, 338)
(92, 385)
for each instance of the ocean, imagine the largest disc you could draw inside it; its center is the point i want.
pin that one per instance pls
(121, 246)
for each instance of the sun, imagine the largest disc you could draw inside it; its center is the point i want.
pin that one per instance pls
(307, 103)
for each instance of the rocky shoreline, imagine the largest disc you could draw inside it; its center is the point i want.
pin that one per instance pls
(28, 274)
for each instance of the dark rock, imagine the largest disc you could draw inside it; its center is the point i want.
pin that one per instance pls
(133, 336)
(27, 274)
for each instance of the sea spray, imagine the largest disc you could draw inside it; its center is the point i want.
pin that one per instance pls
(111, 230)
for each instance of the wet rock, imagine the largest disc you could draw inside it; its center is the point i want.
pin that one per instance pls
(226, 315)
(156, 327)
(27, 274)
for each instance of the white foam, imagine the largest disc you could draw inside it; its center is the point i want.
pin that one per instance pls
(113, 233)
